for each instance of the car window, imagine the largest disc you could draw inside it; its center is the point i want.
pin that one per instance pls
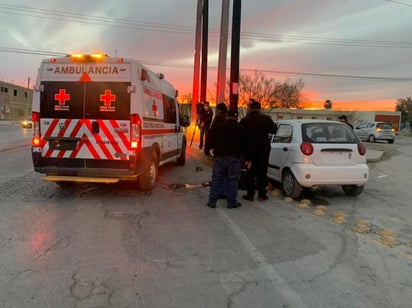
(384, 125)
(328, 133)
(283, 134)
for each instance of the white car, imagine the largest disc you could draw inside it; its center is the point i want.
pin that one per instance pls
(373, 131)
(311, 153)
(27, 123)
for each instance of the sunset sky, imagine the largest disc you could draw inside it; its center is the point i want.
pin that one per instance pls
(355, 53)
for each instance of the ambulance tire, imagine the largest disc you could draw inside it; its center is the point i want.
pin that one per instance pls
(147, 181)
(65, 184)
(181, 160)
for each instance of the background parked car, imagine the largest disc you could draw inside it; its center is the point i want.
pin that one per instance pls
(27, 123)
(373, 131)
(311, 153)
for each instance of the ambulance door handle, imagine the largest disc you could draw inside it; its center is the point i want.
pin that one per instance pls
(95, 127)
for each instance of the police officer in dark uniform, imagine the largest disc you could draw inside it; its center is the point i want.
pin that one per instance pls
(258, 127)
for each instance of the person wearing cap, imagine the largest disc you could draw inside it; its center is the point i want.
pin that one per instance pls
(228, 141)
(205, 119)
(258, 127)
(344, 119)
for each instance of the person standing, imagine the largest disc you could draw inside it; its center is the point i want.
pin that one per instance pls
(258, 127)
(220, 116)
(228, 142)
(205, 119)
(344, 119)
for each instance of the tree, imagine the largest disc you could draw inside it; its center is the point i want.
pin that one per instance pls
(269, 92)
(328, 104)
(404, 105)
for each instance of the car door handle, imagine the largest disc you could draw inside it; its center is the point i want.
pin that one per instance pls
(285, 149)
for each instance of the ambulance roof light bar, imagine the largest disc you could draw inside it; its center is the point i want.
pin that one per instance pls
(80, 57)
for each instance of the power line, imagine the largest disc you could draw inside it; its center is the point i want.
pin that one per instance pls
(188, 66)
(399, 2)
(150, 26)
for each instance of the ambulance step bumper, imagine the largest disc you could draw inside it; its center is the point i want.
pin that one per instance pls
(79, 179)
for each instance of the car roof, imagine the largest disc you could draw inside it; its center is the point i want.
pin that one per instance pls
(304, 121)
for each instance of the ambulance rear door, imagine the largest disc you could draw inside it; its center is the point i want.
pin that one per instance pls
(86, 116)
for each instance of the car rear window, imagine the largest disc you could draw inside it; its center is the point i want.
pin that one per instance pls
(384, 125)
(328, 133)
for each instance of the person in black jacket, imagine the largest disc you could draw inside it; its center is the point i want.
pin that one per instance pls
(220, 116)
(205, 119)
(228, 141)
(258, 127)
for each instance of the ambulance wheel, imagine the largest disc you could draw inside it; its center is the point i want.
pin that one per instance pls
(65, 184)
(147, 180)
(181, 160)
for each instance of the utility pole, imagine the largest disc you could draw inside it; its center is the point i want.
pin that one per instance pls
(221, 69)
(205, 34)
(196, 70)
(234, 60)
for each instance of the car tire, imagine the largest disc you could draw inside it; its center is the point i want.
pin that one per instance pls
(372, 138)
(148, 179)
(391, 141)
(352, 190)
(290, 186)
(181, 160)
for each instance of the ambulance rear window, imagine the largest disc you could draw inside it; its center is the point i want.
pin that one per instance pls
(91, 100)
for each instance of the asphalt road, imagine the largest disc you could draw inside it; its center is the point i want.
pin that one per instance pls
(114, 246)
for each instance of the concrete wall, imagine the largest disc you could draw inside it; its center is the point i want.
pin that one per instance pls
(15, 101)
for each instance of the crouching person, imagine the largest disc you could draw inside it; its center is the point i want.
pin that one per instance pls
(228, 140)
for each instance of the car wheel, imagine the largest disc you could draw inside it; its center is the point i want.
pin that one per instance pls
(290, 186)
(391, 141)
(148, 179)
(352, 190)
(371, 138)
(181, 160)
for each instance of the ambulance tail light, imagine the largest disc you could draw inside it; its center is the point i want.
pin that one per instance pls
(36, 140)
(135, 132)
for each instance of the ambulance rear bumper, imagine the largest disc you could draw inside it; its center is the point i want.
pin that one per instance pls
(80, 170)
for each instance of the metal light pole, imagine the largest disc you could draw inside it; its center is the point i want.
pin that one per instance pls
(234, 60)
(221, 69)
(205, 34)
(196, 70)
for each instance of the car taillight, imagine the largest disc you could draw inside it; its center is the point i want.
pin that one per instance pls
(361, 149)
(306, 148)
(135, 132)
(36, 140)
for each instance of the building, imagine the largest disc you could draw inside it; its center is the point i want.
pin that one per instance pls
(15, 101)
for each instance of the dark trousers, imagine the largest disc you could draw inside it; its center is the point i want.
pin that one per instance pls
(257, 176)
(203, 135)
(226, 171)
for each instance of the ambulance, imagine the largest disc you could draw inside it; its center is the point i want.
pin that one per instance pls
(103, 119)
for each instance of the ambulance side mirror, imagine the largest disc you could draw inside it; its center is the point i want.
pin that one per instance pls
(184, 120)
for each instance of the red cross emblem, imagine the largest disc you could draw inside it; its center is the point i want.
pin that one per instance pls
(154, 108)
(107, 97)
(61, 97)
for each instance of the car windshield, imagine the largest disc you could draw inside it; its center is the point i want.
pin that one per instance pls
(328, 133)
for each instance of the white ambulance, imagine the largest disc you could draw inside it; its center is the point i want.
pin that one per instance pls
(103, 119)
